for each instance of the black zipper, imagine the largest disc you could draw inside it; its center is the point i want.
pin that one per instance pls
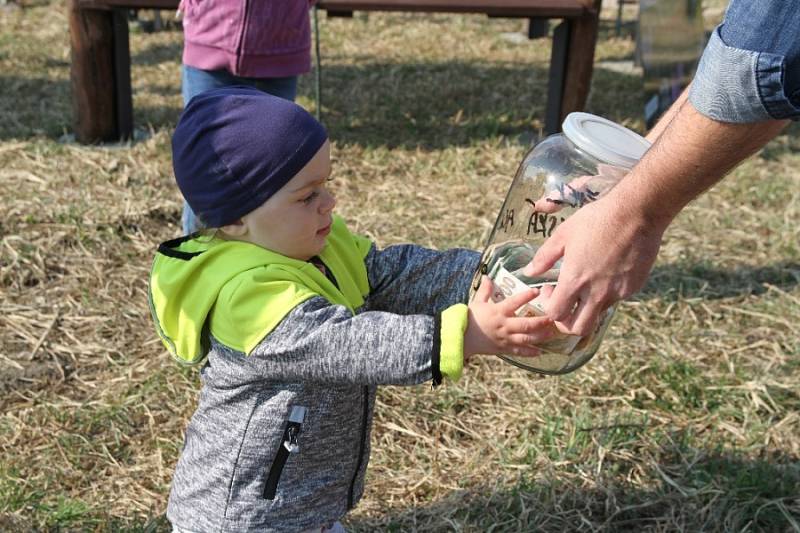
(317, 260)
(351, 495)
(289, 445)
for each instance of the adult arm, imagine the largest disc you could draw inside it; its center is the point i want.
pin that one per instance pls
(747, 84)
(609, 247)
(667, 117)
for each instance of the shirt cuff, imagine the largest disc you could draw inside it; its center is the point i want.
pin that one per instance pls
(451, 354)
(739, 86)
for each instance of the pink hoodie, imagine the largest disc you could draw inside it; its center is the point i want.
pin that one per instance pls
(249, 38)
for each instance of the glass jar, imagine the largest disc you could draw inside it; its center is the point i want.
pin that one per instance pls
(558, 176)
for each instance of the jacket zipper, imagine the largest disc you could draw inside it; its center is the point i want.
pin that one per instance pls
(289, 445)
(240, 47)
(351, 495)
(326, 270)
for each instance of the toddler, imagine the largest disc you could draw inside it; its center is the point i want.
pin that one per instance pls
(298, 319)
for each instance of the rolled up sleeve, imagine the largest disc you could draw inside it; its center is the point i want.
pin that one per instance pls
(749, 69)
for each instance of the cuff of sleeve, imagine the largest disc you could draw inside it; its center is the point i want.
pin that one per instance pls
(737, 86)
(451, 354)
(725, 86)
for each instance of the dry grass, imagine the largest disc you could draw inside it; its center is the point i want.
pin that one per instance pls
(686, 420)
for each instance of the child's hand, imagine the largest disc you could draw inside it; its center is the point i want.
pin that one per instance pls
(493, 328)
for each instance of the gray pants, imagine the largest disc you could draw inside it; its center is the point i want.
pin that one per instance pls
(336, 527)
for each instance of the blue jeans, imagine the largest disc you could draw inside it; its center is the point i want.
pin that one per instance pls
(195, 81)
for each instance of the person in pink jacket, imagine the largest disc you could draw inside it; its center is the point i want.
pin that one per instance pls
(265, 44)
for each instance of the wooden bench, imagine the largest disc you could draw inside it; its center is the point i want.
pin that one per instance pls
(100, 69)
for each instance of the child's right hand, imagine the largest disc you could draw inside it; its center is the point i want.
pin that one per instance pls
(494, 328)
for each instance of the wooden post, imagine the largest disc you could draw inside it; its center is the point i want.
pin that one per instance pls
(92, 74)
(123, 99)
(580, 59)
(556, 88)
(538, 28)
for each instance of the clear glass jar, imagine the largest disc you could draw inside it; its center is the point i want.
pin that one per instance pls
(558, 176)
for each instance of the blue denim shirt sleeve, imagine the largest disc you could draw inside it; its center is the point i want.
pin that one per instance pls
(750, 69)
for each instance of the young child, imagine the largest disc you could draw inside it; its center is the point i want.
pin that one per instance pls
(300, 320)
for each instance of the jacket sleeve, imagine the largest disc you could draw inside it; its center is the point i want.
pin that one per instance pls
(750, 69)
(318, 341)
(410, 279)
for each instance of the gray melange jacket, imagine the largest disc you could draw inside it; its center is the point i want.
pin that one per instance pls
(309, 386)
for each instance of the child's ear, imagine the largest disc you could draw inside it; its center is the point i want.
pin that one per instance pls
(234, 229)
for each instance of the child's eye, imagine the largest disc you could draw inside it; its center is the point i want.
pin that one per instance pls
(310, 198)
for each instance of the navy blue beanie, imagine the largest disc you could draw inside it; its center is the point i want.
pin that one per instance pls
(235, 147)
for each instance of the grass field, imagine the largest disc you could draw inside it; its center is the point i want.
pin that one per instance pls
(688, 419)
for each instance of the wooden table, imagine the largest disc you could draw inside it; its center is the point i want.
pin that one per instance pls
(100, 72)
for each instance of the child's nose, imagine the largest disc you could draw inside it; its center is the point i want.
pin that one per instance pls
(328, 202)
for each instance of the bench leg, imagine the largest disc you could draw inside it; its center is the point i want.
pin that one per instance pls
(538, 28)
(555, 84)
(571, 67)
(123, 100)
(100, 74)
(92, 74)
(580, 61)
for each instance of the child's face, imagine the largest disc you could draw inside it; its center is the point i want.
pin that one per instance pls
(296, 220)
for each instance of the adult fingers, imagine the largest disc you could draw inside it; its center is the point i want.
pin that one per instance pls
(561, 303)
(548, 203)
(555, 200)
(583, 319)
(546, 256)
(545, 291)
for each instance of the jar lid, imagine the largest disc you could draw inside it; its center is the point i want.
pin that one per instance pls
(607, 141)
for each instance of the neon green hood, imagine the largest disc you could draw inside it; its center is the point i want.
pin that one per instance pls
(241, 291)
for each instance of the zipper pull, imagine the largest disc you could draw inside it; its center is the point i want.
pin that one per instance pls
(296, 419)
(291, 443)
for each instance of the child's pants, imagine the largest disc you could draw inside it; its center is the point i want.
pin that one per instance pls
(336, 527)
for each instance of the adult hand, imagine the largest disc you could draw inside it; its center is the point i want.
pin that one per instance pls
(607, 255)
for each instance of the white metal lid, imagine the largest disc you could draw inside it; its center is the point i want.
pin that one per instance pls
(605, 140)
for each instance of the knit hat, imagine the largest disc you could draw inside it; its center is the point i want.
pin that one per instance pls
(235, 147)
